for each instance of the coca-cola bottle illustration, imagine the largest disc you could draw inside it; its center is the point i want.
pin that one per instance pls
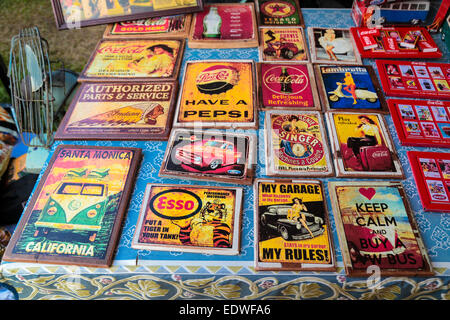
(286, 85)
(212, 23)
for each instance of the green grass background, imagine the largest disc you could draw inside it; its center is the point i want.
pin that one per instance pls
(73, 47)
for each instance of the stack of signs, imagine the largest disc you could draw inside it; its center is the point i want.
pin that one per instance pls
(415, 79)
(296, 144)
(217, 94)
(432, 175)
(184, 218)
(287, 85)
(350, 87)
(423, 123)
(224, 25)
(377, 229)
(292, 230)
(76, 212)
(395, 42)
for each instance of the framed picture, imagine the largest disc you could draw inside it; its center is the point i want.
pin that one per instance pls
(403, 78)
(332, 46)
(395, 42)
(120, 111)
(292, 229)
(279, 13)
(218, 94)
(185, 218)
(75, 214)
(210, 155)
(83, 13)
(431, 171)
(176, 26)
(224, 25)
(283, 44)
(296, 144)
(350, 88)
(375, 227)
(287, 86)
(362, 146)
(134, 59)
(422, 123)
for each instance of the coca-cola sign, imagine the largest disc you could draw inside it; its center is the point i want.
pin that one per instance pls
(119, 49)
(285, 79)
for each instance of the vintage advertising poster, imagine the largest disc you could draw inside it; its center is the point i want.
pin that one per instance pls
(402, 78)
(349, 87)
(157, 27)
(283, 44)
(224, 25)
(120, 111)
(134, 59)
(431, 172)
(423, 123)
(75, 214)
(291, 226)
(75, 14)
(332, 45)
(217, 94)
(296, 144)
(279, 13)
(184, 218)
(210, 155)
(395, 42)
(287, 85)
(376, 228)
(362, 146)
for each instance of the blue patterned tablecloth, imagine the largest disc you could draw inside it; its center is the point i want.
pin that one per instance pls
(141, 274)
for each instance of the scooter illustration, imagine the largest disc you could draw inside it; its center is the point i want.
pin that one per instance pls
(361, 94)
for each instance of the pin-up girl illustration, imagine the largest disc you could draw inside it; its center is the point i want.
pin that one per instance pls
(350, 86)
(296, 213)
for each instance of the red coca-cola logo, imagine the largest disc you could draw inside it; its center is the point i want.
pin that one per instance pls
(217, 79)
(274, 78)
(132, 49)
(380, 154)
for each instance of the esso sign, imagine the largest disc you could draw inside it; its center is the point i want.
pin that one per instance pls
(175, 204)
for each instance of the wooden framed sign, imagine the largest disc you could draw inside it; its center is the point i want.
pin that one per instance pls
(210, 155)
(423, 123)
(292, 229)
(350, 88)
(134, 59)
(186, 218)
(287, 85)
(332, 46)
(431, 172)
(224, 25)
(375, 227)
(362, 146)
(157, 27)
(83, 13)
(75, 215)
(218, 94)
(395, 42)
(296, 144)
(279, 13)
(283, 44)
(402, 78)
(120, 111)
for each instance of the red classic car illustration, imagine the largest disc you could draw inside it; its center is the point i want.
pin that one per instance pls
(286, 50)
(208, 154)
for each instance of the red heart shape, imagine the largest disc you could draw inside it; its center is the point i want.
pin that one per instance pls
(367, 192)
